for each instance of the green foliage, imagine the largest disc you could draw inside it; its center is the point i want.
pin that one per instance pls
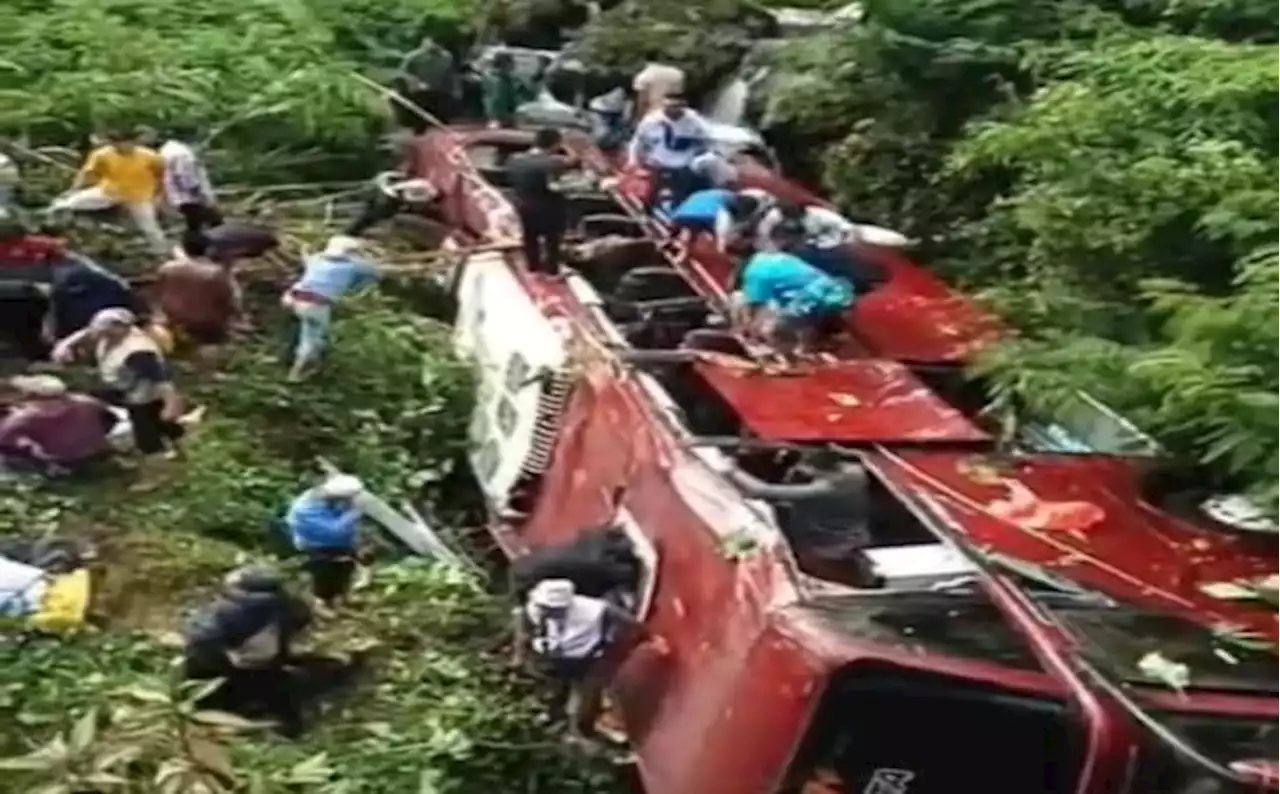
(887, 97)
(438, 712)
(1106, 184)
(706, 39)
(267, 80)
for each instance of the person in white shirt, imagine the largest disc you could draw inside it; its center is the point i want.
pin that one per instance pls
(654, 83)
(186, 183)
(667, 142)
(820, 236)
(738, 224)
(580, 640)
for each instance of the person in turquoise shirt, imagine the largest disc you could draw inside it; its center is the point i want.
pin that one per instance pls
(806, 302)
(326, 278)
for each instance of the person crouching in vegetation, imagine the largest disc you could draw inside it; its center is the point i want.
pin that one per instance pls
(244, 638)
(52, 431)
(121, 173)
(581, 642)
(196, 299)
(135, 376)
(324, 523)
(326, 278)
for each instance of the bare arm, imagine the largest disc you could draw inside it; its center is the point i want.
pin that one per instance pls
(790, 492)
(90, 172)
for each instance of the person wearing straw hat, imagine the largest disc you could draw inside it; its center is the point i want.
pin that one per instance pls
(327, 277)
(52, 431)
(135, 376)
(324, 524)
(580, 641)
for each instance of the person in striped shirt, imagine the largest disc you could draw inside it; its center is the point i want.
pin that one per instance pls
(187, 188)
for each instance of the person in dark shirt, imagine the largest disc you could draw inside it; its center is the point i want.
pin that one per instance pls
(828, 521)
(79, 290)
(392, 193)
(543, 210)
(503, 91)
(244, 637)
(231, 241)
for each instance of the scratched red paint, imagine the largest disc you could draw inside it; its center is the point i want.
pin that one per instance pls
(913, 317)
(722, 713)
(854, 401)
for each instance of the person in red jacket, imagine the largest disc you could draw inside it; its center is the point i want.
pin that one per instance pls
(52, 431)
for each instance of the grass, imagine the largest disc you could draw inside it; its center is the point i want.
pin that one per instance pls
(437, 712)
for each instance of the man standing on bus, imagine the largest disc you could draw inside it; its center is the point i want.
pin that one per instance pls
(667, 142)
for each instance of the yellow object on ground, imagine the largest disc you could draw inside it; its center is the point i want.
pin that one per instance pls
(65, 603)
(165, 339)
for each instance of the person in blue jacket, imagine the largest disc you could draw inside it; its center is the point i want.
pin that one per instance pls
(805, 301)
(326, 278)
(697, 214)
(324, 523)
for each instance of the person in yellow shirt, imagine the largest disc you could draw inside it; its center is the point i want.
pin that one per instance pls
(120, 173)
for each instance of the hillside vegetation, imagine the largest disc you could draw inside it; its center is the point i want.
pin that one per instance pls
(270, 84)
(1102, 172)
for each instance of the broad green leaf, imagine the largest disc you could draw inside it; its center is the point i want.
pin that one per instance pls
(83, 732)
(223, 719)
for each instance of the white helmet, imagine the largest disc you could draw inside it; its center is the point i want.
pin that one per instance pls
(340, 486)
(552, 594)
(341, 245)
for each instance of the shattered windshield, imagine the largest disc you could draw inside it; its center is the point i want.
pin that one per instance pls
(1134, 645)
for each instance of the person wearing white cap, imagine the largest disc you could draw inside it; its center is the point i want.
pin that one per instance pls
(326, 278)
(392, 194)
(580, 641)
(135, 376)
(50, 430)
(324, 523)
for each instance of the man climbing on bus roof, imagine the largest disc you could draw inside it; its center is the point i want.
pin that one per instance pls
(738, 226)
(827, 524)
(666, 142)
(698, 214)
(653, 84)
(581, 641)
(535, 180)
(805, 303)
